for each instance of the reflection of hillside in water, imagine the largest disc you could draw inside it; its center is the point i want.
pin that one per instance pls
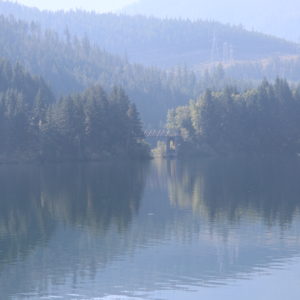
(40, 207)
(233, 189)
(94, 195)
(102, 231)
(230, 218)
(23, 221)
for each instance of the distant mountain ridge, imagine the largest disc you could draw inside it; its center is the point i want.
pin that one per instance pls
(276, 17)
(156, 42)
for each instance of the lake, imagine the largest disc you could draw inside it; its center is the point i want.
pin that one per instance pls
(201, 229)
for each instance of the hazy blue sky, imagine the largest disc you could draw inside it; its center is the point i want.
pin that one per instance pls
(97, 5)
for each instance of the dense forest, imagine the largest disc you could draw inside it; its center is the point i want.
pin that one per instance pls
(285, 67)
(89, 126)
(159, 42)
(264, 120)
(69, 64)
(94, 119)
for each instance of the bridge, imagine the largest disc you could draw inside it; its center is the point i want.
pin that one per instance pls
(161, 133)
(171, 138)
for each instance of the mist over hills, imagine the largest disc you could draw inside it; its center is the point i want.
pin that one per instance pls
(67, 50)
(152, 41)
(276, 17)
(70, 65)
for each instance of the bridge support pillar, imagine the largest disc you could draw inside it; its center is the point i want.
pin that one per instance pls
(171, 146)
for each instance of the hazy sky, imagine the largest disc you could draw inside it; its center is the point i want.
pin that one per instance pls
(97, 5)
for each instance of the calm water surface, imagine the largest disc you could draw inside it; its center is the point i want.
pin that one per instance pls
(213, 229)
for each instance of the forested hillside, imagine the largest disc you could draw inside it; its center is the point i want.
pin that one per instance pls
(152, 41)
(270, 16)
(264, 120)
(69, 64)
(89, 126)
(286, 67)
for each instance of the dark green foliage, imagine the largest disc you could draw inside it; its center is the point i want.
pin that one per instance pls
(23, 104)
(87, 126)
(265, 120)
(92, 126)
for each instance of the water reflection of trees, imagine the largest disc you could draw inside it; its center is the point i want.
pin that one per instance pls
(23, 221)
(94, 195)
(34, 199)
(234, 188)
(86, 217)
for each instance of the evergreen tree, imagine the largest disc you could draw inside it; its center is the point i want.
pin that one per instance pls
(258, 121)
(86, 126)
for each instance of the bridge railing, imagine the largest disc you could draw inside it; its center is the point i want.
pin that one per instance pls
(160, 133)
